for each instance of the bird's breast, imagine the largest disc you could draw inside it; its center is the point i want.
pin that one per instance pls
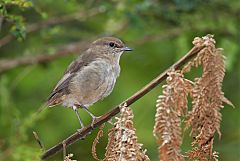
(94, 82)
(109, 73)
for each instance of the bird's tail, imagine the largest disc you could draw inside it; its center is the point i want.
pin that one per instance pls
(48, 103)
(42, 107)
(55, 99)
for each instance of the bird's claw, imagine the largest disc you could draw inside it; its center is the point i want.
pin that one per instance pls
(94, 119)
(80, 130)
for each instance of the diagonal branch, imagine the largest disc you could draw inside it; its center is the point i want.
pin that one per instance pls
(88, 129)
(53, 21)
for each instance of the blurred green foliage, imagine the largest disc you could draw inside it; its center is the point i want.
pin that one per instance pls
(17, 23)
(159, 31)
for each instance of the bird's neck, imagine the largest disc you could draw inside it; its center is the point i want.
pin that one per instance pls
(113, 58)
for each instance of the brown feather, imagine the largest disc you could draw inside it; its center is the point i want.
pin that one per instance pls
(62, 87)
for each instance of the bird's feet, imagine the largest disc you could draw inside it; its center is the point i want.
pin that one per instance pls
(80, 130)
(94, 119)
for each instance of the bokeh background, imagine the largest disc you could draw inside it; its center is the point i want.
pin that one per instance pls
(159, 31)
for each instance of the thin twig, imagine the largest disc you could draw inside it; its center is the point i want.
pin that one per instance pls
(73, 48)
(39, 141)
(104, 118)
(96, 141)
(64, 149)
(54, 21)
(158, 37)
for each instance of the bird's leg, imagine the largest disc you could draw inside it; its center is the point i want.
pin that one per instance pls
(78, 116)
(94, 118)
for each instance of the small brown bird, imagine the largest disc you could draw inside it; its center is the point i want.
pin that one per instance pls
(90, 77)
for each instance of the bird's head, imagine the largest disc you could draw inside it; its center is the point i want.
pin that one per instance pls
(110, 46)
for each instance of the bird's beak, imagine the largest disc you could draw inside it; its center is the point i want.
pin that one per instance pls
(126, 49)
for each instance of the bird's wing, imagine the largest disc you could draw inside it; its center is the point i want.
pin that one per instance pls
(73, 68)
(62, 87)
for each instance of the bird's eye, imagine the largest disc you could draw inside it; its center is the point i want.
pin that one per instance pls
(111, 44)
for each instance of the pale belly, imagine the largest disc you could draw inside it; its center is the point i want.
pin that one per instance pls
(93, 83)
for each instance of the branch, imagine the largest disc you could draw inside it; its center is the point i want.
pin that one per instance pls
(53, 21)
(73, 48)
(104, 118)
(158, 37)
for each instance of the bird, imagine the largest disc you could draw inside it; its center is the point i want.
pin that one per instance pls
(89, 78)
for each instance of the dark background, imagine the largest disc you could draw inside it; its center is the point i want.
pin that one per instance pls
(159, 31)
